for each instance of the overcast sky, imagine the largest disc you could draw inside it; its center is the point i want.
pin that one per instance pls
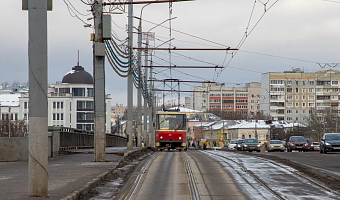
(291, 34)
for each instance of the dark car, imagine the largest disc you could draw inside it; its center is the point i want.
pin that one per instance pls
(309, 144)
(251, 144)
(330, 142)
(239, 145)
(297, 143)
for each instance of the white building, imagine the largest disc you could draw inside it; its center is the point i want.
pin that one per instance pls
(70, 103)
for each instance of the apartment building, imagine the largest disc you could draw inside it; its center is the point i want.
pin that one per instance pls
(290, 95)
(229, 100)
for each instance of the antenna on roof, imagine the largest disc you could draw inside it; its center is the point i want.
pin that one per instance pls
(78, 58)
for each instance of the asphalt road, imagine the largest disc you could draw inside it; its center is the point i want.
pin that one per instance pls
(328, 163)
(166, 179)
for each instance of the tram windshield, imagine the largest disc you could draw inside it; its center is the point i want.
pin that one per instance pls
(171, 121)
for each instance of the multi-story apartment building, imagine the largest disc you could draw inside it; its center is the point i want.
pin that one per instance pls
(290, 95)
(229, 100)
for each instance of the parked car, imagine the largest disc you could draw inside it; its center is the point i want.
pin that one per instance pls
(275, 145)
(330, 142)
(316, 146)
(251, 144)
(239, 145)
(309, 144)
(232, 144)
(297, 143)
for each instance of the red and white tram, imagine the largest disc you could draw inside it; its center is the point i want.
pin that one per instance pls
(171, 130)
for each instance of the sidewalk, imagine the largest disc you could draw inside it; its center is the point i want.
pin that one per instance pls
(67, 173)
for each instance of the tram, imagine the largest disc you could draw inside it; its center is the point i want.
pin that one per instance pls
(171, 130)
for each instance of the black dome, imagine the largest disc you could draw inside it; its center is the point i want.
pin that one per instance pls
(78, 75)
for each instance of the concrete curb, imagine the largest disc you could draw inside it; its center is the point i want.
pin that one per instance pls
(94, 182)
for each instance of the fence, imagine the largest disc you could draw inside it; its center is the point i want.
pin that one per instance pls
(74, 139)
(59, 139)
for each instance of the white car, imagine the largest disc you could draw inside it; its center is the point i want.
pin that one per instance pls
(232, 144)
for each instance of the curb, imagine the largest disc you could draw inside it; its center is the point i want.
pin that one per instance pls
(94, 182)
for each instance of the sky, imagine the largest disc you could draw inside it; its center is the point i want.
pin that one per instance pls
(287, 34)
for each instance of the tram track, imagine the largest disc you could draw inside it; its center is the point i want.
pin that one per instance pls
(238, 167)
(139, 180)
(194, 192)
(244, 169)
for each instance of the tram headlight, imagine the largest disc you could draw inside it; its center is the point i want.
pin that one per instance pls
(180, 138)
(161, 137)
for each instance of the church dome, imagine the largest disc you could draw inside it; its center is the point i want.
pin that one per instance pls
(78, 75)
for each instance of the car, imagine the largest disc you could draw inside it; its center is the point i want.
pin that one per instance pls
(310, 144)
(275, 145)
(297, 143)
(251, 144)
(316, 146)
(330, 142)
(232, 144)
(239, 145)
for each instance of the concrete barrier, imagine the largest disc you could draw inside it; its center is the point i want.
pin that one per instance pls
(13, 149)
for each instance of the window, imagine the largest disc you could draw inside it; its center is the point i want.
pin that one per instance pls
(289, 90)
(296, 111)
(90, 92)
(296, 90)
(303, 97)
(54, 116)
(311, 97)
(61, 105)
(58, 116)
(303, 90)
(297, 119)
(54, 105)
(289, 111)
(289, 104)
(215, 100)
(311, 105)
(311, 90)
(289, 96)
(64, 90)
(25, 116)
(289, 119)
(303, 104)
(25, 105)
(249, 136)
(70, 106)
(296, 104)
(61, 116)
(243, 136)
(289, 82)
(334, 82)
(78, 92)
(16, 116)
(241, 107)
(296, 97)
(311, 82)
(58, 104)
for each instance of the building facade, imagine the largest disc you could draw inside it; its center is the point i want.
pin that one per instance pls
(290, 95)
(71, 102)
(243, 101)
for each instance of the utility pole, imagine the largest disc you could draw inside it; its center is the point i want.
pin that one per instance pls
(99, 84)
(146, 138)
(38, 124)
(256, 136)
(130, 78)
(139, 94)
(151, 129)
